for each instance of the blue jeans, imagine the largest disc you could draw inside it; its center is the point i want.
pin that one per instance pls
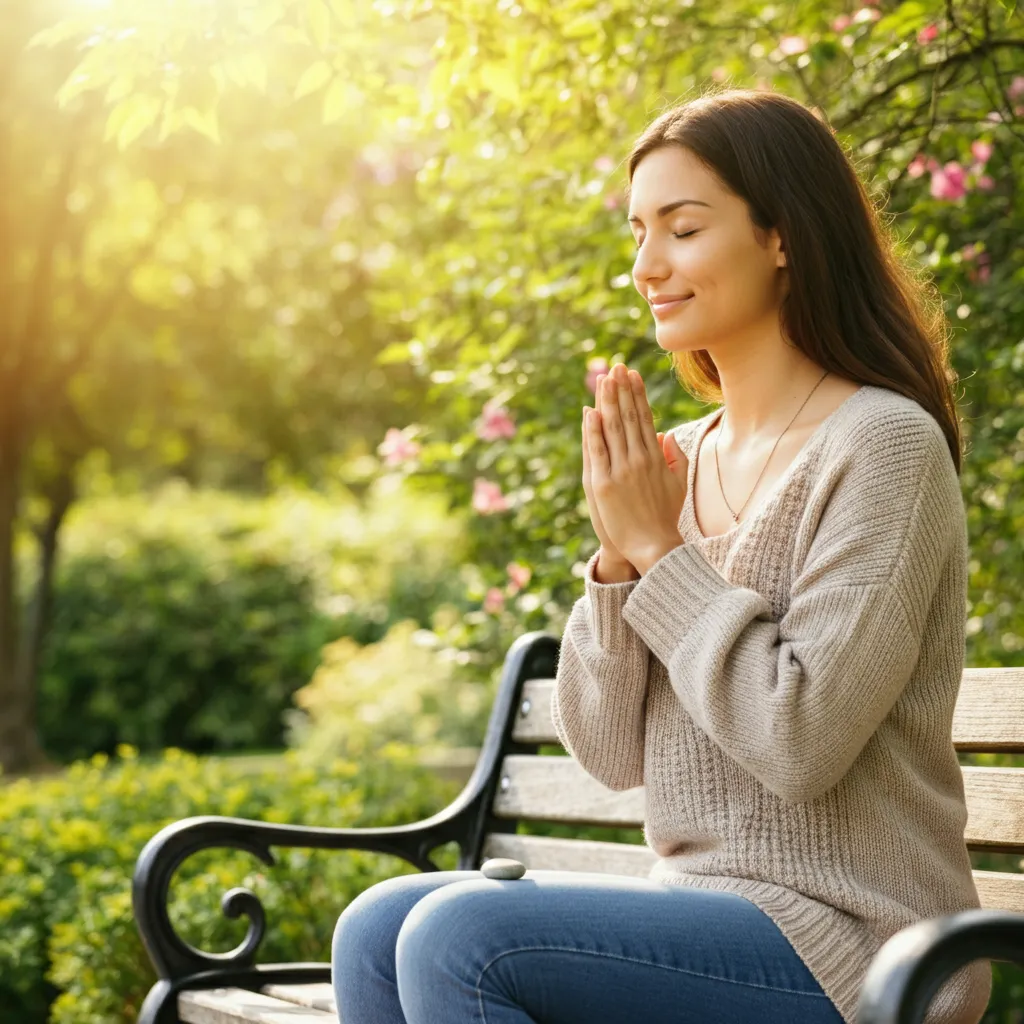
(561, 947)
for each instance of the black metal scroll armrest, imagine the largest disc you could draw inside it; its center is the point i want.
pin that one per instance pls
(180, 965)
(911, 967)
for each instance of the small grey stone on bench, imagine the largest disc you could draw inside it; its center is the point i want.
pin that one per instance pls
(502, 867)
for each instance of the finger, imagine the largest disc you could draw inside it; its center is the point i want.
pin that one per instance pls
(645, 416)
(599, 453)
(586, 453)
(632, 433)
(611, 423)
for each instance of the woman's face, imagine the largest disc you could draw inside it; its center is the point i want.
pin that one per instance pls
(735, 284)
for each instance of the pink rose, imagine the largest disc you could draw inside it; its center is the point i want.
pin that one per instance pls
(916, 167)
(519, 576)
(495, 422)
(981, 151)
(841, 22)
(397, 448)
(595, 367)
(792, 45)
(948, 183)
(494, 602)
(986, 183)
(487, 497)
(928, 34)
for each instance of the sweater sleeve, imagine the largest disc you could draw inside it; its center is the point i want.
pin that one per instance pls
(795, 700)
(598, 706)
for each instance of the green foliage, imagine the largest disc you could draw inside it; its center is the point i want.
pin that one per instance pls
(189, 619)
(401, 689)
(68, 846)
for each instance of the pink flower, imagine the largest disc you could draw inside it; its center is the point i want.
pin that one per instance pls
(841, 22)
(866, 14)
(495, 422)
(719, 74)
(981, 151)
(928, 34)
(916, 167)
(969, 251)
(932, 164)
(791, 45)
(1016, 87)
(595, 366)
(487, 497)
(397, 448)
(985, 183)
(604, 164)
(948, 183)
(494, 602)
(519, 576)
(612, 201)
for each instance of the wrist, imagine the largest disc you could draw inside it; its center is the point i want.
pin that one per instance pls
(613, 570)
(644, 560)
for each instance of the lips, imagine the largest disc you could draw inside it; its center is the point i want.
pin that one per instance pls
(668, 304)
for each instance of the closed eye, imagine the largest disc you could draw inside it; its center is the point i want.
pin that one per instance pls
(675, 235)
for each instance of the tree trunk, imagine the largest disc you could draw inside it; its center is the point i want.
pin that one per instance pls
(61, 494)
(19, 744)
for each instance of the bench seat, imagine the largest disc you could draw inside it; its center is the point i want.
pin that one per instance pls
(273, 1004)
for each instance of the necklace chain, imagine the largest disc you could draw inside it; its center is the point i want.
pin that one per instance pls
(736, 515)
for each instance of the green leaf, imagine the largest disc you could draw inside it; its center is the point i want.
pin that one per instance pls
(319, 18)
(315, 77)
(56, 34)
(204, 123)
(335, 100)
(500, 81)
(131, 117)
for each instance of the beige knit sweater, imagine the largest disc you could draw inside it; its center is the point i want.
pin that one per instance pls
(785, 693)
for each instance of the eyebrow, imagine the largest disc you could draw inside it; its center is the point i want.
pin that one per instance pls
(669, 207)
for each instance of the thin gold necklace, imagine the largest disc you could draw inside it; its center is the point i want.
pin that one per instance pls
(736, 515)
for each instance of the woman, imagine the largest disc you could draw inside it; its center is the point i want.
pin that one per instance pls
(771, 637)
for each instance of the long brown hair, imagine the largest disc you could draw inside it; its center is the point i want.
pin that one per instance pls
(857, 305)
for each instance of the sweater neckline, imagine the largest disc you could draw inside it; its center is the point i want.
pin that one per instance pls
(690, 515)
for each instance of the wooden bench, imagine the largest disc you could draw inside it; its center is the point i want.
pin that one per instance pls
(510, 784)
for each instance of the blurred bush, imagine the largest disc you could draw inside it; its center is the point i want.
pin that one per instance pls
(69, 948)
(190, 618)
(404, 688)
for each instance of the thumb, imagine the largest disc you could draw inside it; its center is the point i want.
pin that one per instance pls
(676, 459)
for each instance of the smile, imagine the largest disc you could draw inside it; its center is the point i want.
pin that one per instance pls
(663, 308)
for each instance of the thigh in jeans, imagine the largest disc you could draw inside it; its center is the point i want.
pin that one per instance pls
(363, 949)
(578, 948)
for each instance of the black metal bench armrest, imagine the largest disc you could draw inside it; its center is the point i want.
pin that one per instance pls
(464, 821)
(911, 967)
(164, 853)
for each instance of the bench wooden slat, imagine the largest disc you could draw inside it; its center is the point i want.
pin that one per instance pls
(319, 995)
(998, 890)
(989, 714)
(544, 853)
(235, 1005)
(557, 789)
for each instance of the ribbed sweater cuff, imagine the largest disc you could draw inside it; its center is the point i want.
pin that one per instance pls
(671, 596)
(606, 603)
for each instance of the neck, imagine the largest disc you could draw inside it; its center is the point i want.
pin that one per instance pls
(762, 388)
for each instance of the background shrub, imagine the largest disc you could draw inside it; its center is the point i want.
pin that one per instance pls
(69, 948)
(190, 618)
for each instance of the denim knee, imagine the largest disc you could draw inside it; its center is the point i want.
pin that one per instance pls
(448, 932)
(365, 933)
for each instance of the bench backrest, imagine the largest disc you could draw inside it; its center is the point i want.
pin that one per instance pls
(989, 718)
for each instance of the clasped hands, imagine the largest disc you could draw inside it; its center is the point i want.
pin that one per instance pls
(634, 477)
